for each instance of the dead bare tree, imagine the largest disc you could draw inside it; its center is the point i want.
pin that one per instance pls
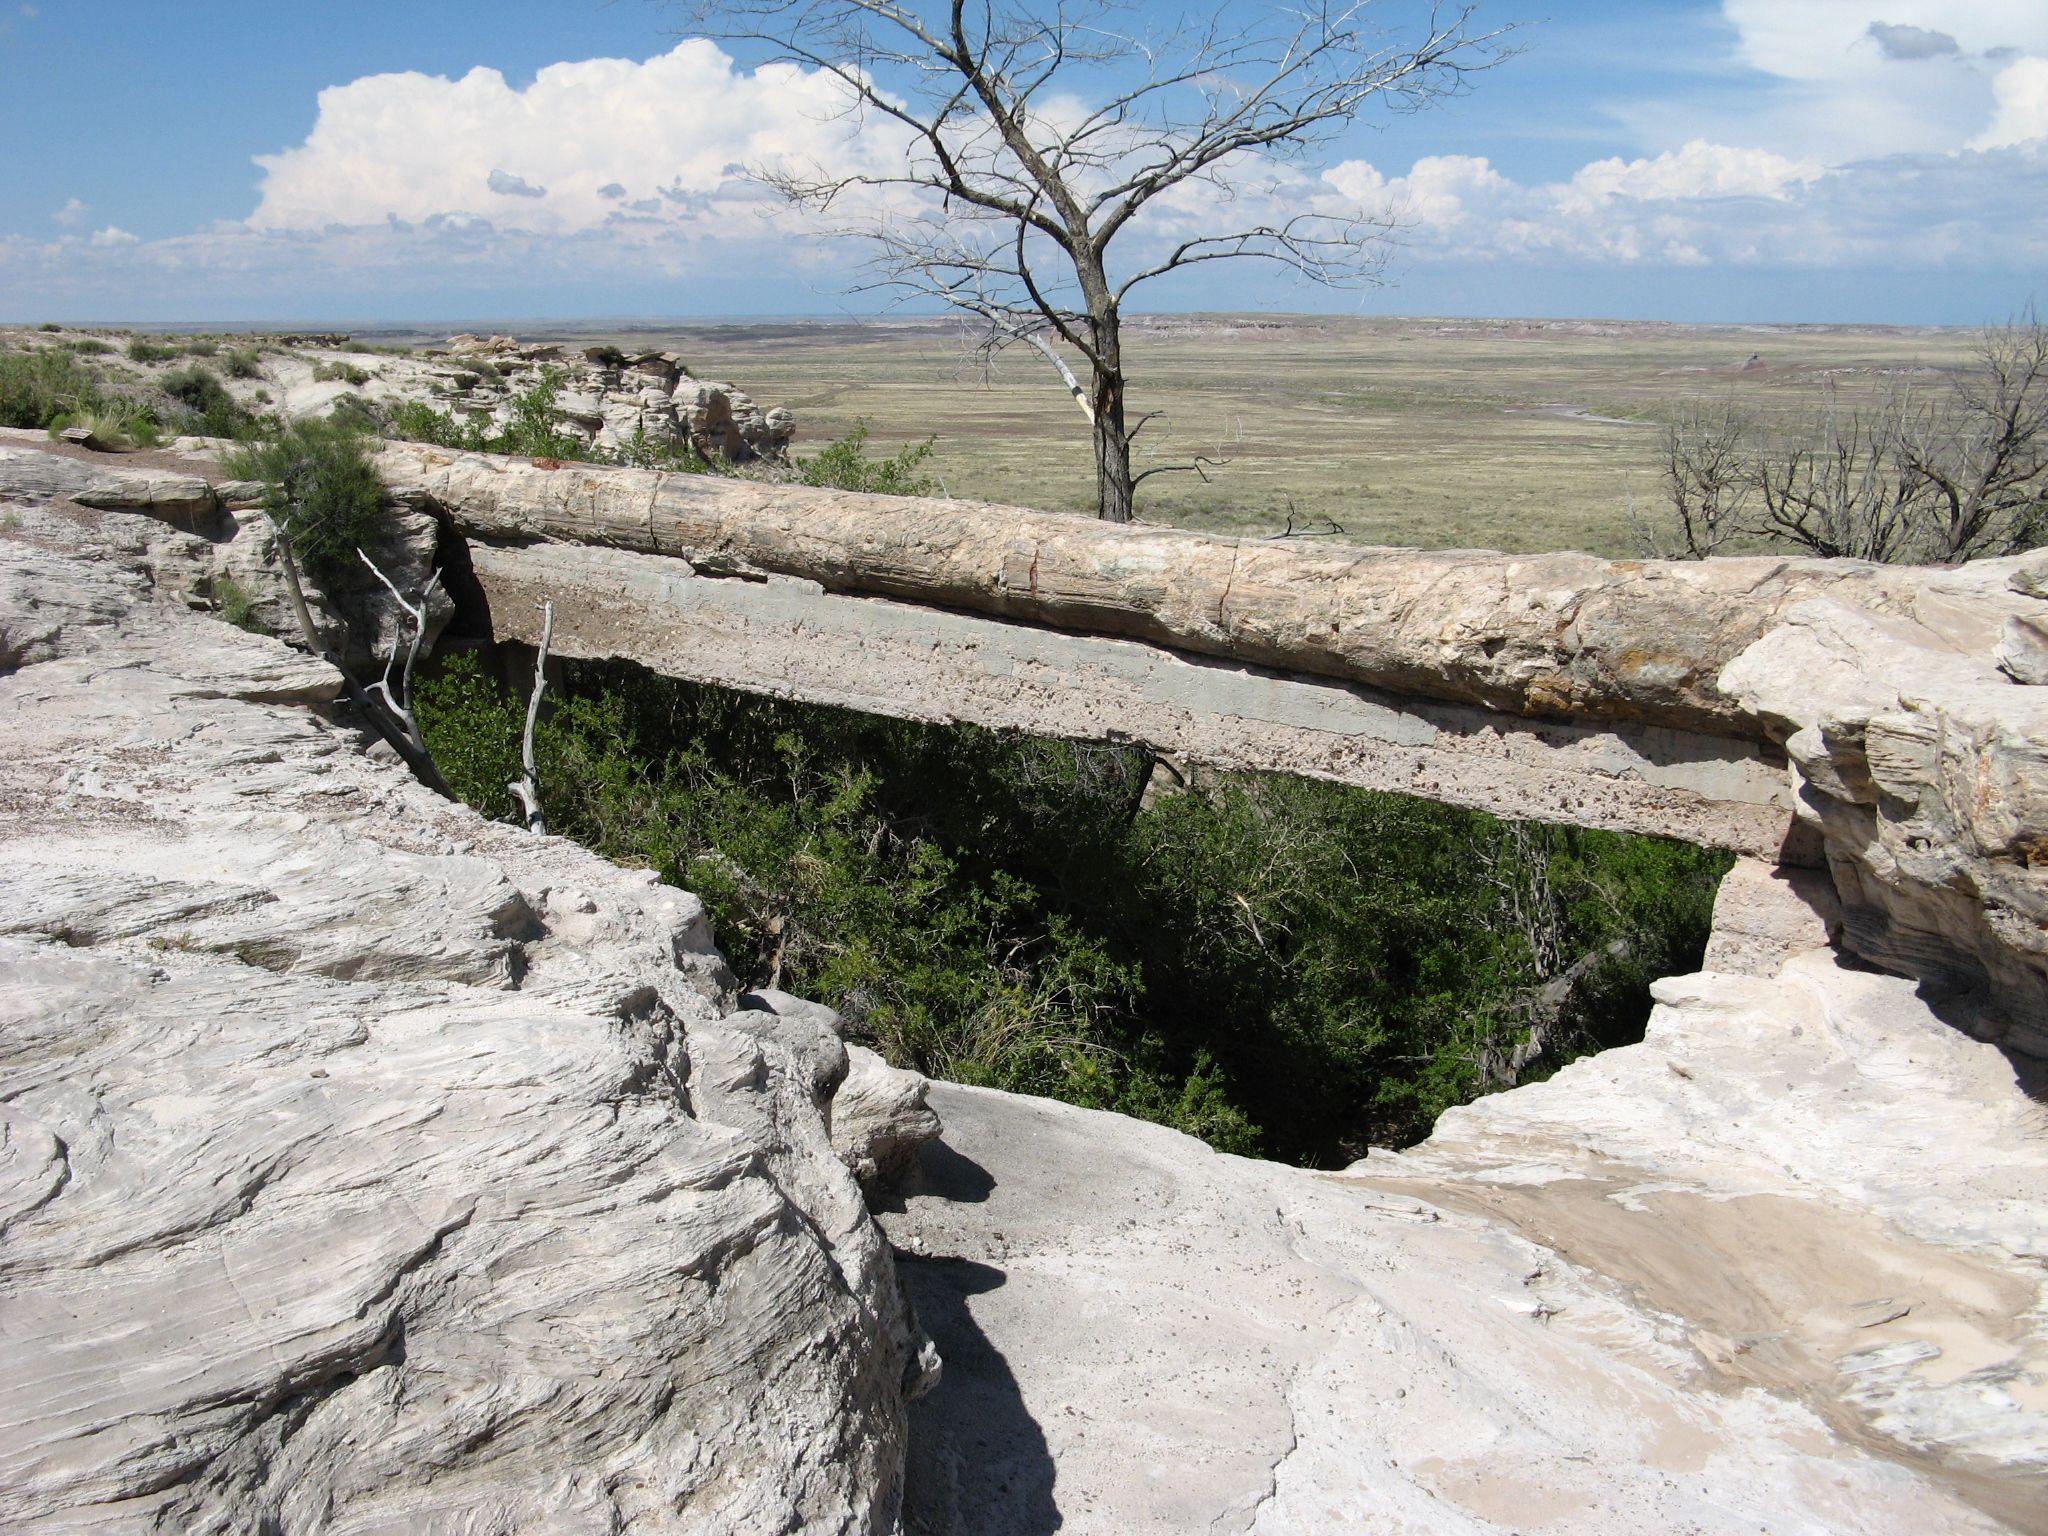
(1917, 478)
(399, 704)
(1707, 476)
(1040, 133)
(526, 789)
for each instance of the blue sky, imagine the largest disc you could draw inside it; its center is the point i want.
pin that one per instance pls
(1830, 160)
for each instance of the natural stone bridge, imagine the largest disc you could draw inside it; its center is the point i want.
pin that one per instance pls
(361, 1158)
(1870, 718)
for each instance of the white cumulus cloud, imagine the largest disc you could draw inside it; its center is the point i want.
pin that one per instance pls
(572, 146)
(2021, 94)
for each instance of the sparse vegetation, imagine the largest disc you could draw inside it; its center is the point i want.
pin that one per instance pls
(846, 465)
(235, 603)
(1922, 476)
(340, 373)
(213, 411)
(51, 389)
(1274, 965)
(320, 488)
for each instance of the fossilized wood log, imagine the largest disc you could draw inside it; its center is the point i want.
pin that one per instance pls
(1565, 636)
(785, 637)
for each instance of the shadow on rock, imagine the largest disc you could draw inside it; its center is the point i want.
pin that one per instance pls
(978, 1462)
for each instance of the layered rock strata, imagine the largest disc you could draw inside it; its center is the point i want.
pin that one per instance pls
(615, 399)
(365, 1166)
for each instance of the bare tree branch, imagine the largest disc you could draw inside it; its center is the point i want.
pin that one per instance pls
(1013, 189)
(400, 703)
(526, 789)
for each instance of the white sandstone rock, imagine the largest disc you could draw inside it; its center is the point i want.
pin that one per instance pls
(365, 1166)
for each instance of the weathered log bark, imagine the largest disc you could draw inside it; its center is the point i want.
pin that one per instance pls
(1564, 636)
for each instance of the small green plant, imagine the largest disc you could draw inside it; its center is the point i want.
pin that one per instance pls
(51, 388)
(216, 412)
(111, 428)
(359, 413)
(534, 430)
(418, 422)
(846, 465)
(235, 603)
(675, 455)
(142, 350)
(320, 488)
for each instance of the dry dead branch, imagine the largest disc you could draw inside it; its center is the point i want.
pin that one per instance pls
(1038, 138)
(526, 789)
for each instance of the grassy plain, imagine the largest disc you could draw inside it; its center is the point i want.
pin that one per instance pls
(1516, 435)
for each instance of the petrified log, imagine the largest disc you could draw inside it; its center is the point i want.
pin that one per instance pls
(1560, 635)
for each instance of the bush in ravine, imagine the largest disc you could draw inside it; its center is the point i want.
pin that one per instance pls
(1278, 966)
(320, 487)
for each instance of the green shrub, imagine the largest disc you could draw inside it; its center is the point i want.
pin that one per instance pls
(237, 605)
(534, 429)
(356, 412)
(418, 422)
(845, 465)
(38, 387)
(344, 373)
(1278, 966)
(214, 412)
(320, 488)
(52, 389)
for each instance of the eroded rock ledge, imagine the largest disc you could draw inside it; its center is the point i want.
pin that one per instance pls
(365, 1166)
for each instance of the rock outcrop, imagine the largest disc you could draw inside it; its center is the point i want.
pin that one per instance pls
(1776, 1269)
(614, 399)
(365, 1166)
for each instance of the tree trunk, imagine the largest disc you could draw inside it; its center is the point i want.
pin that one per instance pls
(1113, 492)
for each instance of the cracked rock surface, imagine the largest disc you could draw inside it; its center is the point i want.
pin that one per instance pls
(1776, 1269)
(367, 1167)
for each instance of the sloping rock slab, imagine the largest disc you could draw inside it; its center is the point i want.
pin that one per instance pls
(365, 1167)
(1777, 1269)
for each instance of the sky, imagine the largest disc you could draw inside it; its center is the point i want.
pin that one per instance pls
(442, 160)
